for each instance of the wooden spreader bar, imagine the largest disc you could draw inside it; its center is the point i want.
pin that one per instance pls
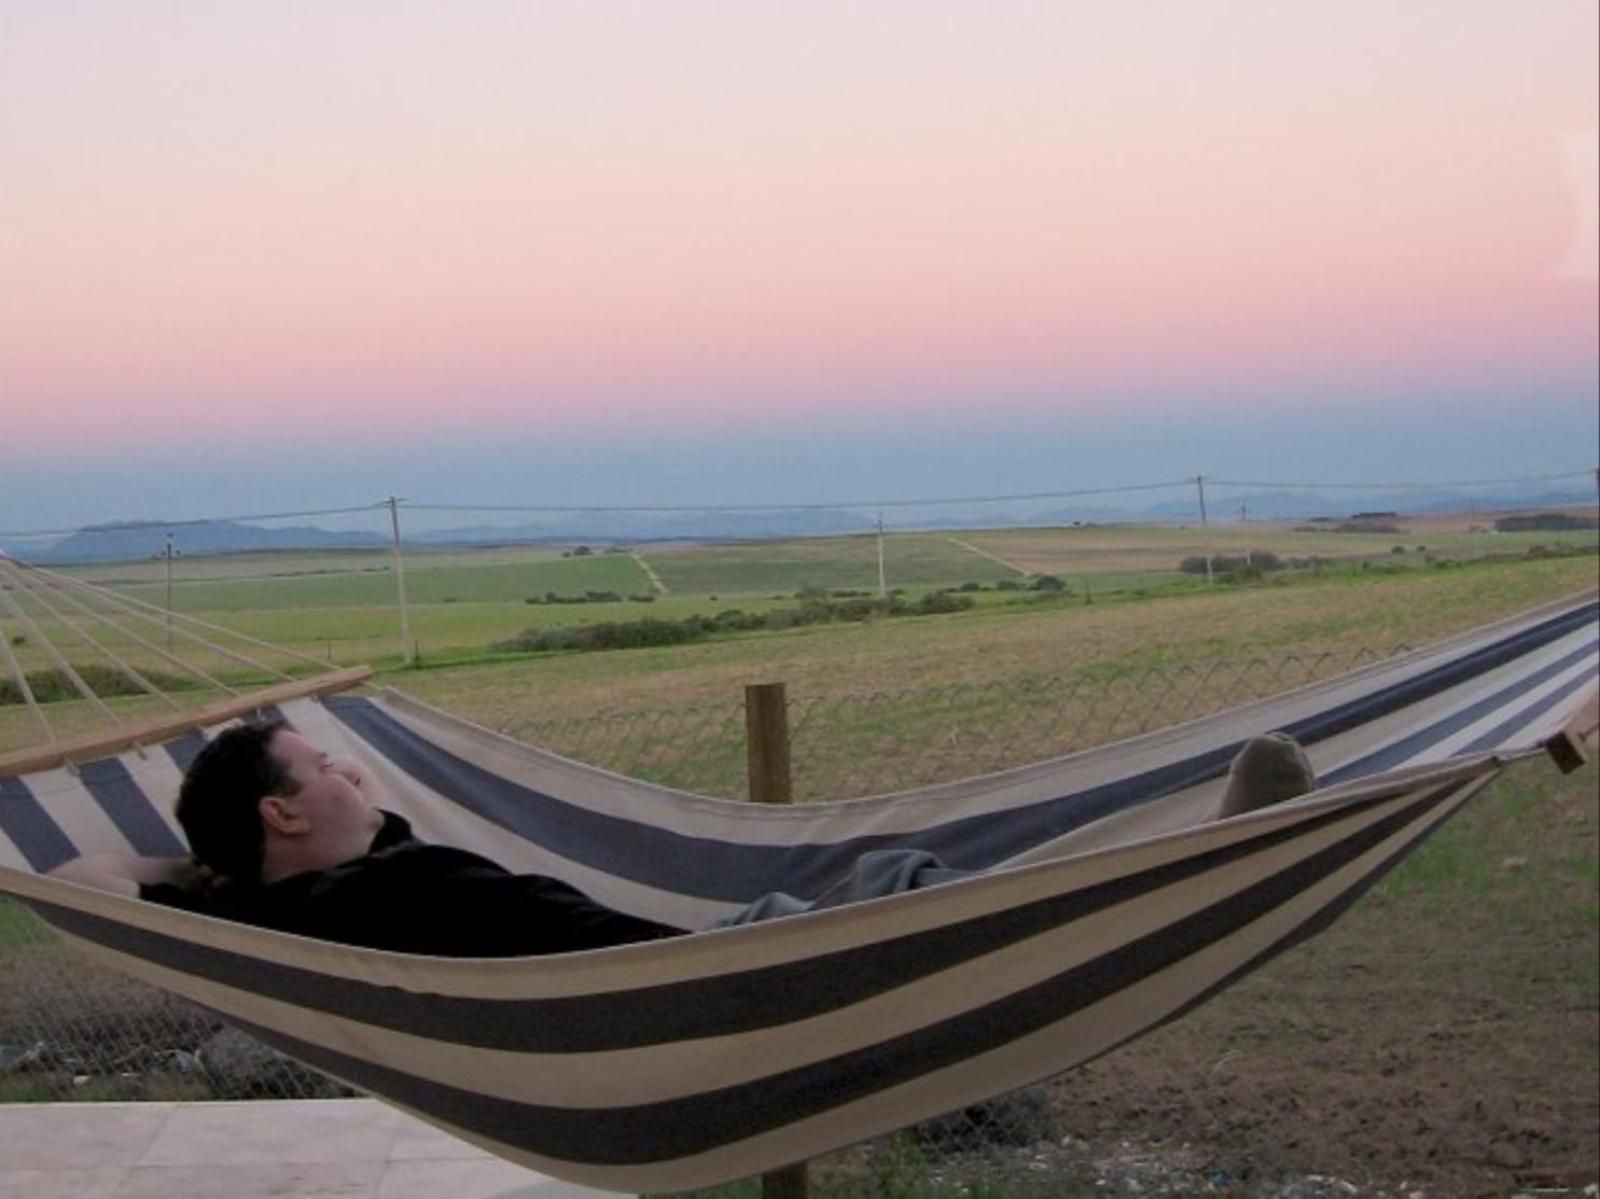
(1572, 744)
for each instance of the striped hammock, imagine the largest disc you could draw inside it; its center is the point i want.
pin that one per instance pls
(1109, 901)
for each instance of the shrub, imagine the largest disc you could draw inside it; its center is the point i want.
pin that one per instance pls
(1543, 522)
(652, 631)
(1247, 566)
(942, 601)
(50, 686)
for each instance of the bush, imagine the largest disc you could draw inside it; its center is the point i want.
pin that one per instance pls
(652, 631)
(941, 601)
(50, 686)
(1048, 583)
(1241, 566)
(1543, 522)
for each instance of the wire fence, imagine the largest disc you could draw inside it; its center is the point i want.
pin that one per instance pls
(69, 1031)
(849, 744)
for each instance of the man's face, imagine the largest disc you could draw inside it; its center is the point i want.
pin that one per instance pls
(330, 798)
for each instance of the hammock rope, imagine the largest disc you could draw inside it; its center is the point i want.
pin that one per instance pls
(181, 664)
(58, 659)
(20, 678)
(182, 624)
(96, 645)
(50, 594)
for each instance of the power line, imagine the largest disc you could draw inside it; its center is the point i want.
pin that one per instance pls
(1570, 474)
(828, 507)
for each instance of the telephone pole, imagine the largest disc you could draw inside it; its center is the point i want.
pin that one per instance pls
(883, 583)
(407, 649)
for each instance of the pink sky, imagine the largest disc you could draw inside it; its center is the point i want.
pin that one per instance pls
(274, 217)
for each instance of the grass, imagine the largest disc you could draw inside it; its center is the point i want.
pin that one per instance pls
(1505, 851)
(17, 925)
(996, 642)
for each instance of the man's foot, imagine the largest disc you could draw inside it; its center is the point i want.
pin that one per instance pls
(1269, 769)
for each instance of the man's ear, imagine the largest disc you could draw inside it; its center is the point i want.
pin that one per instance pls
(281, 815)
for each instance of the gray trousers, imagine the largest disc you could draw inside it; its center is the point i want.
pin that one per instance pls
(876, 874)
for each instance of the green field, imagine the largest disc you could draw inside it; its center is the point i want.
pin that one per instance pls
(911, 560)
(1124, 602)
(427, 582)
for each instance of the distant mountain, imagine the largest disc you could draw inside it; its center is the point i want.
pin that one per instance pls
(1223, 503)
(147, 539)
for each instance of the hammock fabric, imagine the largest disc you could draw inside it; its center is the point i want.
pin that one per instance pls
(1109, 902)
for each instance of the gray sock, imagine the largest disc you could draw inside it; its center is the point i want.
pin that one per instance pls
(1268, 770)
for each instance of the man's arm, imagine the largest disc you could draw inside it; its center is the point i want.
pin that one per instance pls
(123, 874)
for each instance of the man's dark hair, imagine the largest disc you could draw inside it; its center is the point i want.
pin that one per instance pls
(218, 802)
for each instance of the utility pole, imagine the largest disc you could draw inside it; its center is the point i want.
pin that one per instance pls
(167, 553)
(407, 648)
(1200, 490)
(883, 584)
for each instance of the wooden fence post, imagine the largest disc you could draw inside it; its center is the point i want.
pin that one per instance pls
(766, 723)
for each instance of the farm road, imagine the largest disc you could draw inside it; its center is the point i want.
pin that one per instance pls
(649, 573)
(983, 553)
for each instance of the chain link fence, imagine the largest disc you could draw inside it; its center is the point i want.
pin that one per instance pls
(70, 1031)
(851, 744)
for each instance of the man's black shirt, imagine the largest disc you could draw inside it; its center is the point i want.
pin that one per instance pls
(412, 897)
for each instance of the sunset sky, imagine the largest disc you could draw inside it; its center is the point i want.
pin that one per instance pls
(257, 256)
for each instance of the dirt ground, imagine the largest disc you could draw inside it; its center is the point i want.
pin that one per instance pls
(1442, 1038)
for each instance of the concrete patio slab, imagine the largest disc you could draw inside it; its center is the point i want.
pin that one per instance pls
(308, 1149)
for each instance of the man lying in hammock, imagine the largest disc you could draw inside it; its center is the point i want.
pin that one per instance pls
(286, 837)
